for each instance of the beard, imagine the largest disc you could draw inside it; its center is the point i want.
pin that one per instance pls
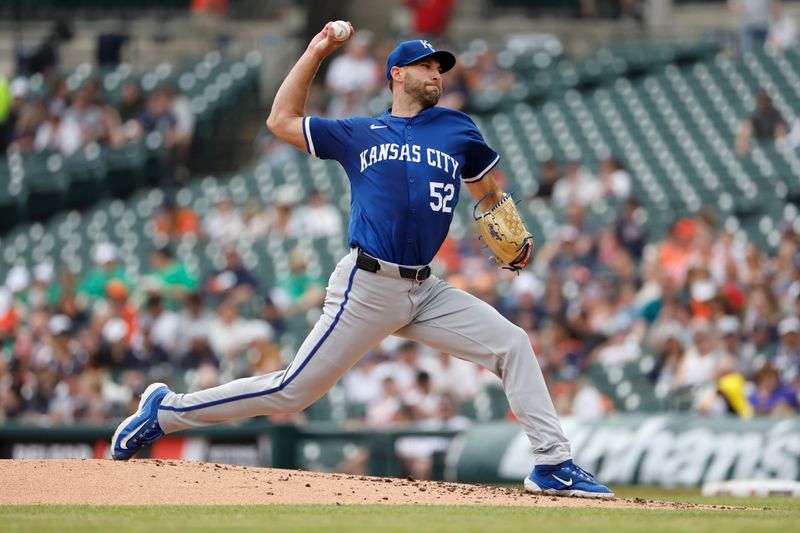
(417, 90)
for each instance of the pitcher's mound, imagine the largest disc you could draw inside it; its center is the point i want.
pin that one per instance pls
(153, 481)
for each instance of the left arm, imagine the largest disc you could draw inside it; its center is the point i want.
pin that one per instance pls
(485, 187)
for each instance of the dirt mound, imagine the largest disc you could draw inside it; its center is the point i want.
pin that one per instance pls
(148, 482)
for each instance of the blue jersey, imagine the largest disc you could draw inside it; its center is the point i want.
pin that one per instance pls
(405, 176)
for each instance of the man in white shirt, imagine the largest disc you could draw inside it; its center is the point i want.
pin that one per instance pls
(576, 186)
(351, 77)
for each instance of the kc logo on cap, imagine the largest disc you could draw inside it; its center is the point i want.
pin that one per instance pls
(409, 52)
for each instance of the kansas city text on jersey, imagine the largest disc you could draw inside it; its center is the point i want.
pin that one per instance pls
(412, 153)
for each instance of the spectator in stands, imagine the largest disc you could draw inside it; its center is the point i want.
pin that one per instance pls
(700, 359)
(283, 214)
(222, 223)
(362, 384)
(548, 176)
(181, 109)
(17, 281)
(402, 367)
(727, 395)
(194, 319)
(668, 345)
(762, 308)
(119, 306)
(568, 256)
(131, 106)
(93, 286)
(115, 352)
(234, 281)
(157, 116)
(59, 98)
(754, 271)
(160, 326)
(761, 343)
(615, 182)
(381, 410)
(621, 347)
(730, 331)
(754, 19)
(169, 277)
(227, 332)
(782, 31)
(51, 134)
(43, 292)
(771, 397)
(629, 230)
(678, 252)
(96, 121)
(198, 354)
(430, 18)
(174, 222)
(422, 399)
(319, 218)
(232, 336)
(787, 358)
(588, 403)
(577, 185)
(453, 376)
(256, 218)
(23, 136)
(765, 124)
(785, 271)
(351, 78)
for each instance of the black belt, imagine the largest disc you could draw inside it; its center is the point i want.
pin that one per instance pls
(370, 264)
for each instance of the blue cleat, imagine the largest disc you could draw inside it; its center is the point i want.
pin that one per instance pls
(565, 479)
(141, 428)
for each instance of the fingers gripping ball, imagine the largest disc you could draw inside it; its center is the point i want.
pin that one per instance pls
(505, 233)
(341, 30)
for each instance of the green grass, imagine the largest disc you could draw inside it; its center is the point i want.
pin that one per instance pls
(763, 515)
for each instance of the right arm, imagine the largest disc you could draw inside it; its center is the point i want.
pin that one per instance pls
(288, 109)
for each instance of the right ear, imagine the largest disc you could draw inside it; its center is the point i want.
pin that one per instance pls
(396, 73)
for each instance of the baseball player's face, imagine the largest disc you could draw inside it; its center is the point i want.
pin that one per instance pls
(423, 81)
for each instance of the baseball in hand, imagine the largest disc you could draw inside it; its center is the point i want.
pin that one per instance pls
(341, 30)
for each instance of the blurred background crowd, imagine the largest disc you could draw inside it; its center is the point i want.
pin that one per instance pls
(707, 319)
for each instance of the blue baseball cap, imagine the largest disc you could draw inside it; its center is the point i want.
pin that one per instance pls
(412, 51)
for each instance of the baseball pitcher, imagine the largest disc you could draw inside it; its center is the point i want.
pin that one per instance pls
(406, 168)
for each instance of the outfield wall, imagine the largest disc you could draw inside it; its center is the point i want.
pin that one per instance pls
(668, 450)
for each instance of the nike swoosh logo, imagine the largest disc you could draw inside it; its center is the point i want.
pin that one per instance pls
(124, 443)
(374, 127)
(567, 483)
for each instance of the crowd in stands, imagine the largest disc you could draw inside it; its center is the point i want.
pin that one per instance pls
(65, 121)
(719, 315)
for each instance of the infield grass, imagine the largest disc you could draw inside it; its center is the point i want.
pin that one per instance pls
(763, 515)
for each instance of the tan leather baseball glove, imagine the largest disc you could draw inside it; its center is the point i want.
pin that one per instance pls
(505, 233)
